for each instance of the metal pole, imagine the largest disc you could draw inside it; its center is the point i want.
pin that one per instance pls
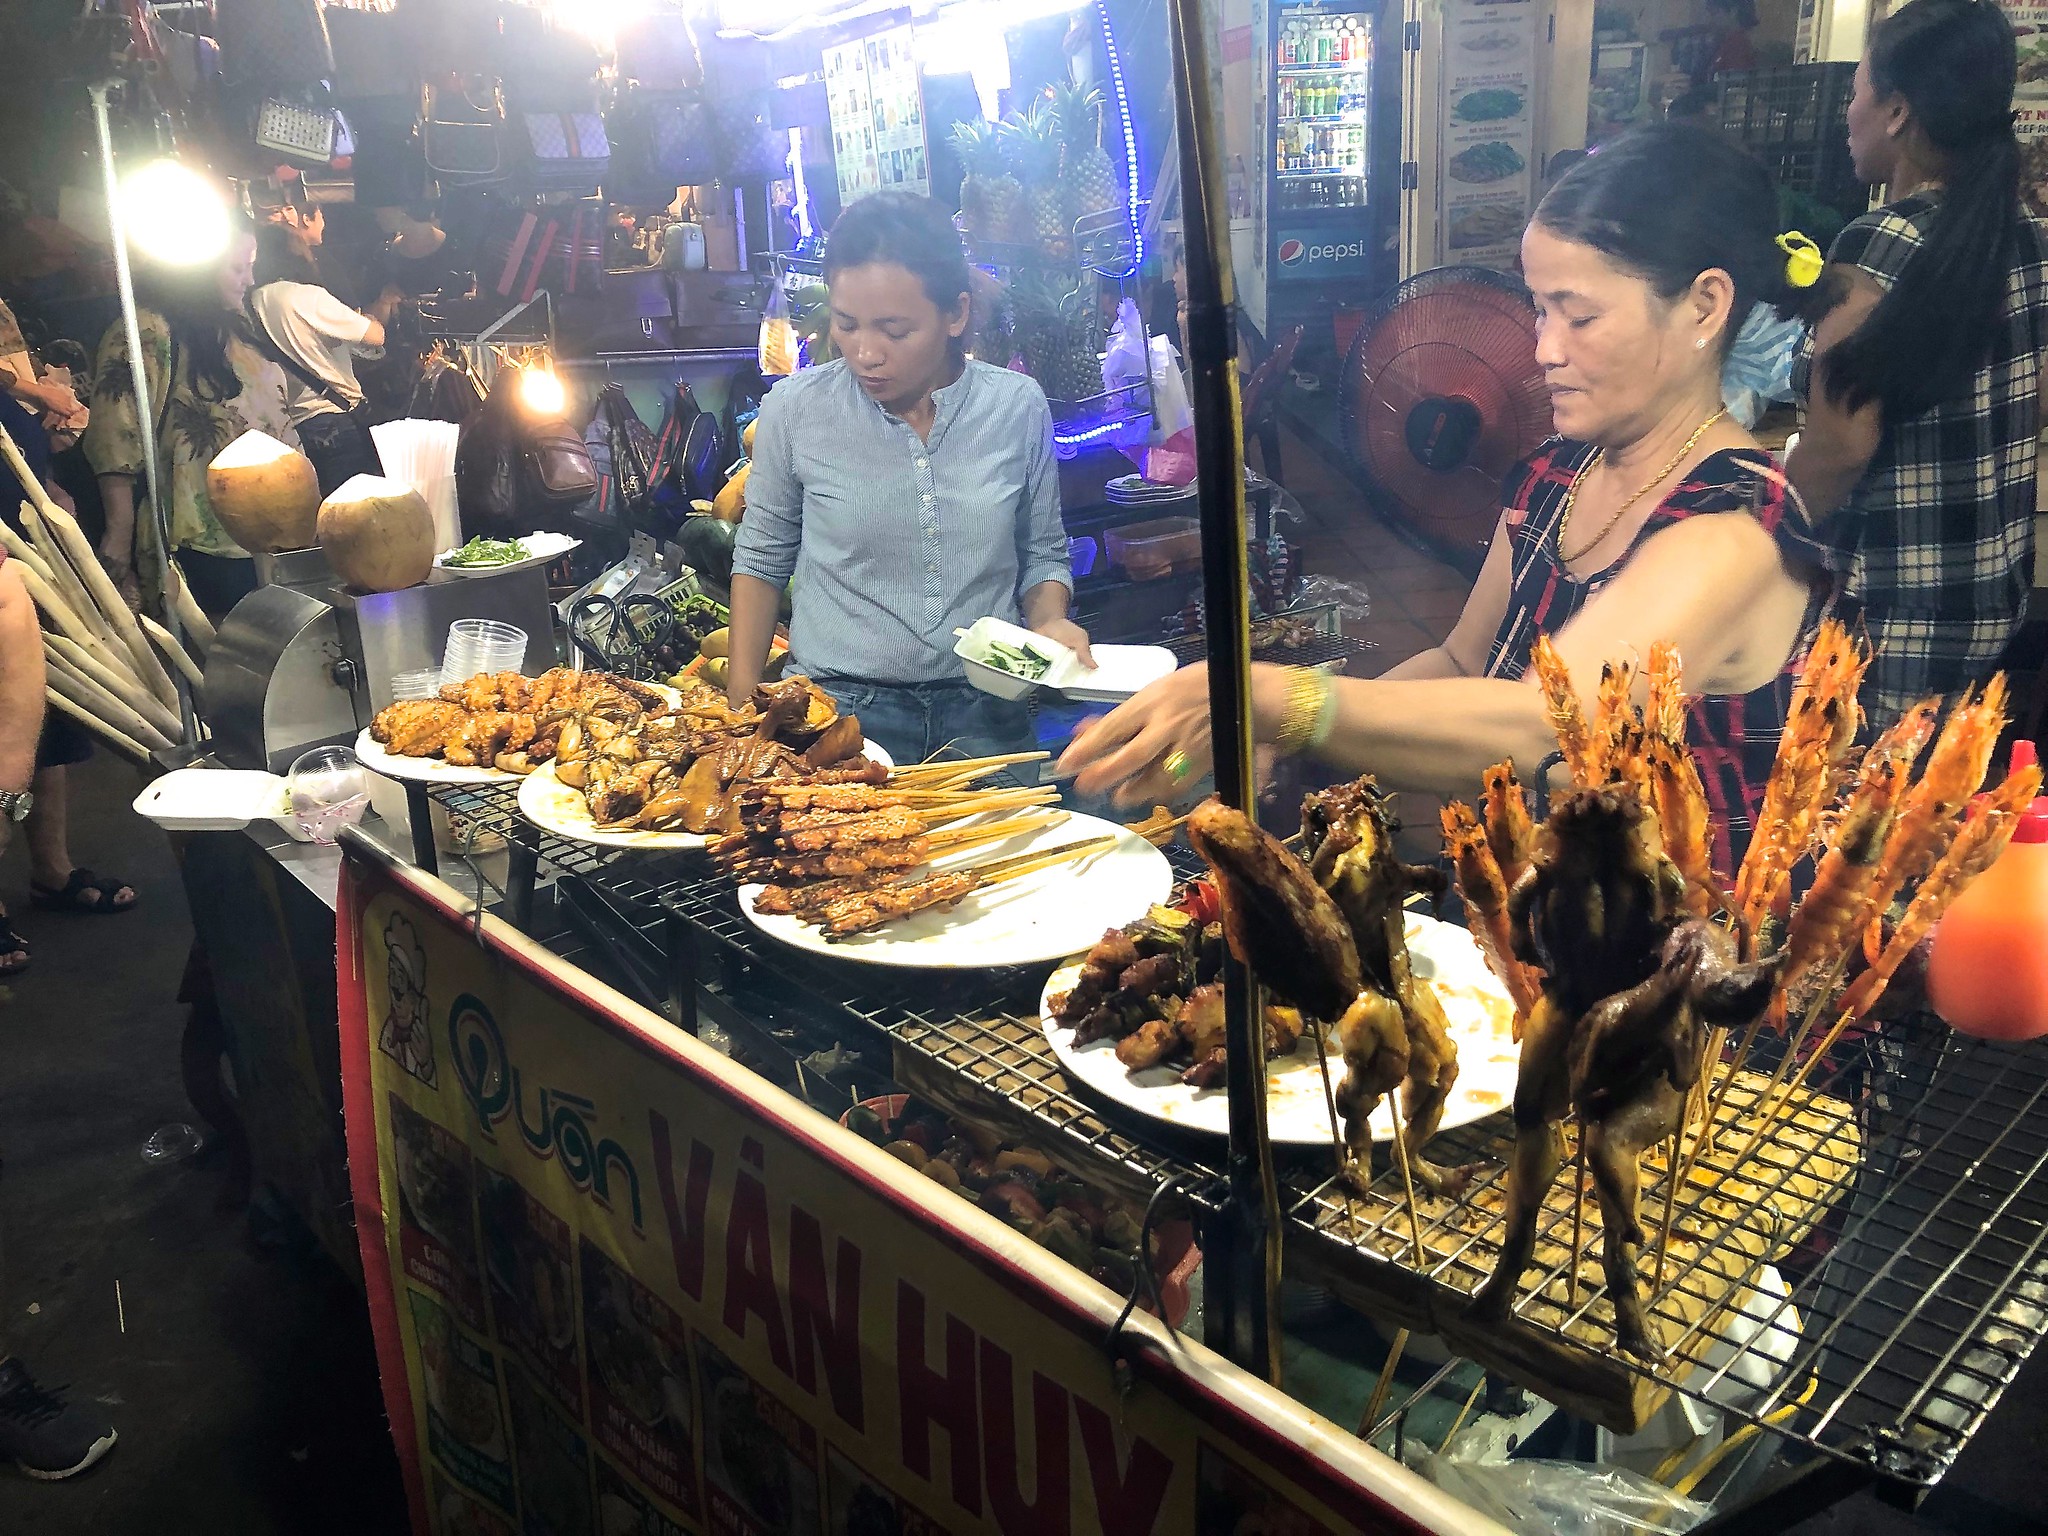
(1248, 1328)
(145, 417)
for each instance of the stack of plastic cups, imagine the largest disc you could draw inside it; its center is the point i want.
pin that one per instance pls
(481, 645)
(423, 684)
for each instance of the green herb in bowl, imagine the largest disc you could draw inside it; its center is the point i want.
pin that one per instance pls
(485, 552)
(1017, 660)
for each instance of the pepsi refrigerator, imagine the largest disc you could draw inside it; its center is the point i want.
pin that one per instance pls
(1331, 153)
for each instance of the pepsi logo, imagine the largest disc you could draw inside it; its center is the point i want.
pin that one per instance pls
(1292, 252)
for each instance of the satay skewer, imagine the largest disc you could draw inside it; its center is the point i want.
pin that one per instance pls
(970, 767)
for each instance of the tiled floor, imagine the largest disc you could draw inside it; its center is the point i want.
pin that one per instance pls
(1413, 598)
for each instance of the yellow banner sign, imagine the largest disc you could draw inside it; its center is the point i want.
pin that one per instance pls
(622, 1287)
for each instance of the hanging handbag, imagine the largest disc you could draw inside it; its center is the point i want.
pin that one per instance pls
(273, 42)
(749, 147)
(564, 152)
(462, 130)
(487, 463)
(555, 473)
(668, 139)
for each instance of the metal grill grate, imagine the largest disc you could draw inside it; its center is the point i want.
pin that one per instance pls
(1319, 651)
(1913, 1196)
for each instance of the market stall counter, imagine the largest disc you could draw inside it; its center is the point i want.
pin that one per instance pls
(614, 1274)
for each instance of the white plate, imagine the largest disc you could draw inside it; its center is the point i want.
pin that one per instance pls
(421, 770)
(1120, 671)
(554, 807)
(542, 548)
(1026, 921)
(1297, 1112)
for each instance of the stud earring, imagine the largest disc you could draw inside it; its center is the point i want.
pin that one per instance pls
(1699, 343)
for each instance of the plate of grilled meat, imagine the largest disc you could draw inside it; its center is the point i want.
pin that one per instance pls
(937, 879)
(677, 780)
(498, 726)
(1169, 1063)
(1399, 1002)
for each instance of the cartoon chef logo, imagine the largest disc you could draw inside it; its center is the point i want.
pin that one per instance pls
(405, 1037)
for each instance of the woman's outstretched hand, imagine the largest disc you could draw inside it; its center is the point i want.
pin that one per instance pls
(1066, 632)
(1131, 749)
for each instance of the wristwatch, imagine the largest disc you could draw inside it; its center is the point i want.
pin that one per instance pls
(15, 804)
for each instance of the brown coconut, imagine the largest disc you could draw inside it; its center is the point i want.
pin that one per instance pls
(265, 494)
(378, 534)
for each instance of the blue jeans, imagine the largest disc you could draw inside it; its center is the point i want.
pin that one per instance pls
(911, 721)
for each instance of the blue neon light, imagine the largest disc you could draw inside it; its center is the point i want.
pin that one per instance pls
(1123, 109)
(1076, 439)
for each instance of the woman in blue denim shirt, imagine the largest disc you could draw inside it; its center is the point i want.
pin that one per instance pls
(909, 490)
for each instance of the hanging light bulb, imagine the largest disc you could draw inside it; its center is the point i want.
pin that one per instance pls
(173, 214)
(541, 392)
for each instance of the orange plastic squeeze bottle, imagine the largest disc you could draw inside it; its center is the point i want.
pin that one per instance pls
(1988, 972)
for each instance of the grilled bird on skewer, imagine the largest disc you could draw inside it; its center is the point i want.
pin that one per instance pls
(1277, 919)
(1351, 853)
(1625, 1065)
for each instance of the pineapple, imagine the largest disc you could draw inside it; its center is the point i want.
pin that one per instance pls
(990, 197)
(1056, 330)
(1036, 134)
(1088, 181)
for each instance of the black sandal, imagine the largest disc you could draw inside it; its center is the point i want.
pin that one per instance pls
(12, 944)
(73, 897)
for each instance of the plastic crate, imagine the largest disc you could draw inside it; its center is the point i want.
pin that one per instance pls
(1795, 119)
(1791, 105)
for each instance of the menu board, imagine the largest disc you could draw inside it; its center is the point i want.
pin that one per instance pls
(876, 98)
(2030, 102)
(1486, 141)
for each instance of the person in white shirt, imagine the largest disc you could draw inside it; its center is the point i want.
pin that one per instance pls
(315, 337)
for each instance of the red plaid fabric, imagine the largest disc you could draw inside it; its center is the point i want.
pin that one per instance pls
(1734, 736)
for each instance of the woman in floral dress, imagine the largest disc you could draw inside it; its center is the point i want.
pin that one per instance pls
(208, 384)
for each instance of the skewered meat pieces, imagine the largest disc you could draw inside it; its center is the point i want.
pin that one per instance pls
(1200, 1026)
(1277, 919)
(1397, 1039)
(859, 912)
(878, 827)
(1626, 1066)
(1600, 898)
(1350, 841)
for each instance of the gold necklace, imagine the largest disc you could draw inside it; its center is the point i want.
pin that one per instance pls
(1571, 494)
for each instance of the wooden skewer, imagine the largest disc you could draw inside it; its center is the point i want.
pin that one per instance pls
(978, 766)
(1767, 1119)
(1383, 1385)
(123, 743)
(1407, 1182)
(1031, 863)
(942, 842)
(1672, 1166)
(1009, 800)
(1571, 1274)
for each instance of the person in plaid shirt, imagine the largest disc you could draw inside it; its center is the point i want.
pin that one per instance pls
(1922, 383)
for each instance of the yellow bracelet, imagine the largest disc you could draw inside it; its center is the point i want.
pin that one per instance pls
(1309, 713)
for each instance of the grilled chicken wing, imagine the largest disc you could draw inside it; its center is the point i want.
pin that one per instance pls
(1350, 841)
(417, 727)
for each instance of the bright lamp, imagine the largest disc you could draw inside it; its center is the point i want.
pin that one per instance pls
(174, 215)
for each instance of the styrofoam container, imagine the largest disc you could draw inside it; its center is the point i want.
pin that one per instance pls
(1119, 670)
(214, 799)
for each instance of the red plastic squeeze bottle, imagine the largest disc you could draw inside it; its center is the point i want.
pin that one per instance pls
(1988, 973)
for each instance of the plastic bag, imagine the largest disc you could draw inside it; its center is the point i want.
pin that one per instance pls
(1172, 411)
(1123, 364)
(777, 351)
(1561, 1498)
(1759, 366)
(1349, 597)
(1172, 462)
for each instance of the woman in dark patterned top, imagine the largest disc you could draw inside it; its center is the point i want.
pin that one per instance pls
(1653, 517)
(1922, 384)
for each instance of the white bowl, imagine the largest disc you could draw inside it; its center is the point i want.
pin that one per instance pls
(975, 642)
(1119, 670)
